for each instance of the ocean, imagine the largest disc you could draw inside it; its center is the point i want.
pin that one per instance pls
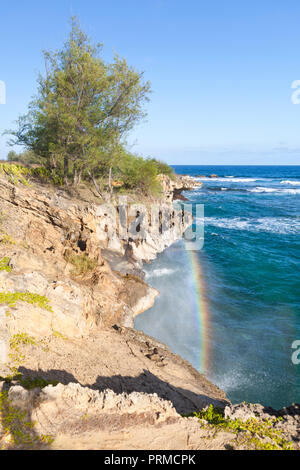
(232, 309)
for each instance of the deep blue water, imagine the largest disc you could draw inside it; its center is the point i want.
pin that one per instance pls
(251, 265)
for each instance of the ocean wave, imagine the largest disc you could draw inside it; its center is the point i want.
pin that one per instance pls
(261, 189)
(293, 183)
(160, 272)
(278, 225)
(230, 179)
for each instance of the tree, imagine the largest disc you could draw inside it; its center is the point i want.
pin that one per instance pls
(83, 110)
(12, 156)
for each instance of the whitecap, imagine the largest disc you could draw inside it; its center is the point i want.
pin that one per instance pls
(280, 225)
(230, 179)
(290, 191)
(293, 183)
(261, 189)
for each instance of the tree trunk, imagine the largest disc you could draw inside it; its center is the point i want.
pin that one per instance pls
(110, 181)
(96, 185)
(77, 177)
(66, 170)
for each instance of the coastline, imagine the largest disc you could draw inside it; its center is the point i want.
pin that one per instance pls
(74, 356)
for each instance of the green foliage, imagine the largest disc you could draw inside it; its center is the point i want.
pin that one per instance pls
(29, 382)
(27, 157)
(21, 339)
(4, 264)
(256, 431)
(83, 109)
(12, 156)
(138, 173)
(82, 264)
(17, 174)
(163, 168)
(15, 355)
(6, 239)
(11, 298)
(38, 382)
(15, 424)
(59, 335)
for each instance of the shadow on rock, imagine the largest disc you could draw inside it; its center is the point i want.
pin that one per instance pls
(184, 401)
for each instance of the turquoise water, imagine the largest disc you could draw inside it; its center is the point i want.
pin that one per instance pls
(250, 261)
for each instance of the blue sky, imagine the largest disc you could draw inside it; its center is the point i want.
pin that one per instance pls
(221, 71)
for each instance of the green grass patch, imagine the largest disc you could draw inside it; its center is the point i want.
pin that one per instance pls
(256, 431)
(82, 264)
(4, 264)
(11, 298)
(15, 424)
(6, 239)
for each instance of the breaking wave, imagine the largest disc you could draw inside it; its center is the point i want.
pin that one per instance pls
(293, 183)
(266, 224)
(229, 179)
(261, 189)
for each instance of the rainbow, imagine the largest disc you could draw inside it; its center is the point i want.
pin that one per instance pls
(201, 310)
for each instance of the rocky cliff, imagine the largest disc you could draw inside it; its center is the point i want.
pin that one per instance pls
(74, 374)
(69, 295)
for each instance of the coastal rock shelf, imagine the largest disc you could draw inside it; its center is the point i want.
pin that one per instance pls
(80, 418)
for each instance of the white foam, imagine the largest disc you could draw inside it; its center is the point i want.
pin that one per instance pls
(161, 272)
(278, 225)
(261, 189)
(231, 179)
(290, 191)
(293, 183)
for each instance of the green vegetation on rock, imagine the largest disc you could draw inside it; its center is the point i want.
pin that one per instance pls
(82, 264)
(11, 298)
(257, 434)
(18, 428)
(18, 174)
(4, 264)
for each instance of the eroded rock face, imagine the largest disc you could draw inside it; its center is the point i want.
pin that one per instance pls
(41, 231)
(81, 418)
(84, 340)
(174, 187)
(288, 423)
(77, 417)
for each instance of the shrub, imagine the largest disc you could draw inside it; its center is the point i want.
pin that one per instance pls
(20, 174)
(138, 173)
(4, 264)
(256, 431)
(163, 168)
(82, 264)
